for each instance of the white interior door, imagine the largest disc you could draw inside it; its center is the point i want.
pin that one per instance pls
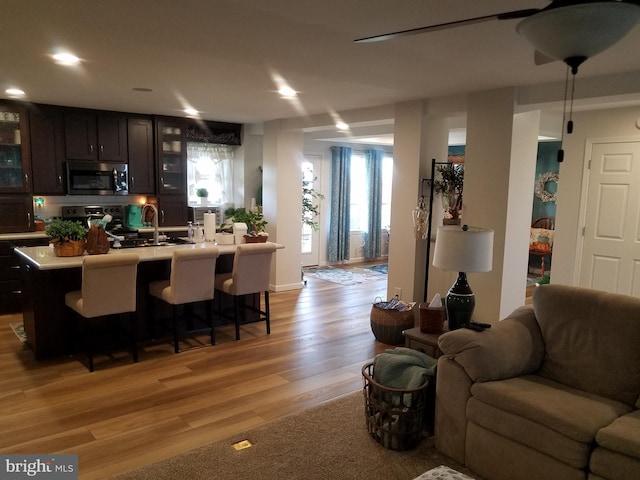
(310, 238)
(611, 247)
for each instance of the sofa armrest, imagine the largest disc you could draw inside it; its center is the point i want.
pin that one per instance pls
(508, 349)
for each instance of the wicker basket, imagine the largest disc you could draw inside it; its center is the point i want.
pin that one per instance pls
(256, 238)
(70, 248)
(388, 325)
(394, 418)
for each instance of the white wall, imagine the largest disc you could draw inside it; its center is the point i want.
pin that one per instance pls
(620, 123)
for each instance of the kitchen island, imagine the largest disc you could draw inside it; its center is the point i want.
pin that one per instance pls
(47, 278)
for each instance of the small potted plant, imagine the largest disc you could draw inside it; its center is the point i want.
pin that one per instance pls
(203, 194)
(254, 220)
(67, 237)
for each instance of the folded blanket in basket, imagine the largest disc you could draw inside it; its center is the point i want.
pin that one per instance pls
(403, 368)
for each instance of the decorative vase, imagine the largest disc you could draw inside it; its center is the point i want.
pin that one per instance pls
(69, 248)
(204, 201)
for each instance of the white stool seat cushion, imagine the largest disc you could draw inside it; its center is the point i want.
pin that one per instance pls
(108, 285)
(192, 277)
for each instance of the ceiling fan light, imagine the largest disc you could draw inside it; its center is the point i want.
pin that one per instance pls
(581, 30)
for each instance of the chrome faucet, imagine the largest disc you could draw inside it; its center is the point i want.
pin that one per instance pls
(156, 240)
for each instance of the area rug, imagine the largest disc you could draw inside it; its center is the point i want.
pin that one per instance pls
(329, 441)
(382, 268)
(443, 473)
(18, 329)
(343, 276)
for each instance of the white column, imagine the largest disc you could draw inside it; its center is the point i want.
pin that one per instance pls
(500, 161)
(282, 201)
(406, 265)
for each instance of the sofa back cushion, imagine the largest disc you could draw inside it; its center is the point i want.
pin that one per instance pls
(592, 340)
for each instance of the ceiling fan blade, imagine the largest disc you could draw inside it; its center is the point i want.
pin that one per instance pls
(540, 58)
(443, 26)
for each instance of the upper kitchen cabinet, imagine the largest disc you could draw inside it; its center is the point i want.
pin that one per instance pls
(171, 156)
(91, 135)
(215, 132)
(141, 159)
(47, 150)
(15, 155)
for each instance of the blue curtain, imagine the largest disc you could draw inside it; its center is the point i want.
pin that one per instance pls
(374, 183)
(340, 204)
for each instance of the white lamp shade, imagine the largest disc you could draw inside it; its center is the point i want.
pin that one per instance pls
(581, 30)
(462, 250)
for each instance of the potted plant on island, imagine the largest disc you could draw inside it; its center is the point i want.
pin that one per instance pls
(67, 237)
(203, 195)
(254, 220)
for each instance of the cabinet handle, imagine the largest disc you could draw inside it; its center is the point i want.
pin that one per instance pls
(133, 181)
(91, 149)
(26, 180)
(162, 212)
(161, 182)
(101, 149)
(60, 181)
(15, 267)
(16, 292)
(28, 219)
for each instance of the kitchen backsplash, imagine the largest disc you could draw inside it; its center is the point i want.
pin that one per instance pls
(53, 204)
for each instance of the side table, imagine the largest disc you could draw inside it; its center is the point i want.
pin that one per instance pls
(423, 342)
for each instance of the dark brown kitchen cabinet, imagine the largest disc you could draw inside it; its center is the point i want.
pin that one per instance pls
(172, 210)
(91, 135)
(11, 289)
(141, 158)
(15, 154)
(171, 154)
(47, 150)
(16, 214)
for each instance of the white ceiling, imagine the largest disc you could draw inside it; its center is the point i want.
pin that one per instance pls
(223, 57)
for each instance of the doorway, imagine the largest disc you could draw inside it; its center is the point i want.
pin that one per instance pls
(310, 251)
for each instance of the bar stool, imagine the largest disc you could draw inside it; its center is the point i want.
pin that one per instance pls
(191, 280)
(249, 275)
(108, 288)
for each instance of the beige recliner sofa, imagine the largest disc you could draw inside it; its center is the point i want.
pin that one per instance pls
(551, 392)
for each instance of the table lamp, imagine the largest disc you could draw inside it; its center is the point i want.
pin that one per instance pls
(462, 249)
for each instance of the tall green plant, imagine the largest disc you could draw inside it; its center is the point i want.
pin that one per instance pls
(310, 210)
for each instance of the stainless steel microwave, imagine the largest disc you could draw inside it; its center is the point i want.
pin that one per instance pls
(97, 178)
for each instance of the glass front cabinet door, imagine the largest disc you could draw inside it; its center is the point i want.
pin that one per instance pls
(172, 157)
(15, 166)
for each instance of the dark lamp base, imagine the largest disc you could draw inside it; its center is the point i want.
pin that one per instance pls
(460, 303)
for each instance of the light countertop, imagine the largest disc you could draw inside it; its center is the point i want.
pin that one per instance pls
(43, 258)
(41, 234)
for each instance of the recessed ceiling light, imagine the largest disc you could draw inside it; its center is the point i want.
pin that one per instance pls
(66, 59)
(14, 92)
(191, 111)
(287, 92)
(342, 126)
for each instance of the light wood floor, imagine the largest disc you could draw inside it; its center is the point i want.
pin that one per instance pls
(126, 415)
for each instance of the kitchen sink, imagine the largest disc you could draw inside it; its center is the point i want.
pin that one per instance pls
(148, 242)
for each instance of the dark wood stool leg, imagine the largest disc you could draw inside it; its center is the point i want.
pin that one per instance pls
(266, 308)
(176, 347)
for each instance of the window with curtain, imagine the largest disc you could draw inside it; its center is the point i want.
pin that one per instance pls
(359, 201)
(209, 166)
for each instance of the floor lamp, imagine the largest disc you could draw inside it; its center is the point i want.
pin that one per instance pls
(462, 249)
